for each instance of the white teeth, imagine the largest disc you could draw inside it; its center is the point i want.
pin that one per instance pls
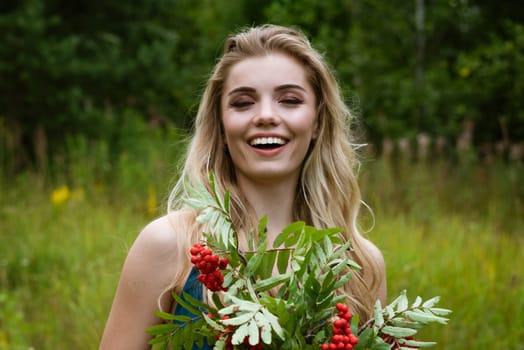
(267, 141)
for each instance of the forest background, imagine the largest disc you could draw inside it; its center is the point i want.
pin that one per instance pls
(97, 98)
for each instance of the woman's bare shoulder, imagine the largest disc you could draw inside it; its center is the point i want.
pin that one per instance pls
(154, 259)
(165, 233)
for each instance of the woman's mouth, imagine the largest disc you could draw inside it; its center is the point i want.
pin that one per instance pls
(267, 142)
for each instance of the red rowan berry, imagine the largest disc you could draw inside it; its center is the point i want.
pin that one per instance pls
(341, 307)
(196, 249)
(195, 259)
(340, 323)
(222, 264)
(205, 252)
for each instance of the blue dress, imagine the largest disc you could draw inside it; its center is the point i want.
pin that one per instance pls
(193, 287)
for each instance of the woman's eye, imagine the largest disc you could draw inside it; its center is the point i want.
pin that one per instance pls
(291, 101)
(241, 103)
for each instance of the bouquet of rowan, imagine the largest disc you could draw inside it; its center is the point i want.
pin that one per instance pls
(298, 308)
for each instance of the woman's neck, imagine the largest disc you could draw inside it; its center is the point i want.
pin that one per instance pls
(275, 200)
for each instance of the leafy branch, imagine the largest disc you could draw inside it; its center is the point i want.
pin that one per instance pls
(293, 308)
(400, 321)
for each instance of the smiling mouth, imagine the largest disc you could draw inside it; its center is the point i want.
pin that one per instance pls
(267, 142)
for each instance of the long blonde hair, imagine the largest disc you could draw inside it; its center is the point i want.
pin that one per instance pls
(327, 193)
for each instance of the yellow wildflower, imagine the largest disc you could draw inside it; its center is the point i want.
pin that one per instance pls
(60, 195)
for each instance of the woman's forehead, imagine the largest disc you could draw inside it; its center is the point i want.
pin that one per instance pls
(266, 71)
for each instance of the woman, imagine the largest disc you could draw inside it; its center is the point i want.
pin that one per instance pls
(273, 128)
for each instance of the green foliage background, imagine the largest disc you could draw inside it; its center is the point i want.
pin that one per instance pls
(98, 96)
(69, 68)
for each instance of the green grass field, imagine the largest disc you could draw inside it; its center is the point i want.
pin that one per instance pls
(445, 229)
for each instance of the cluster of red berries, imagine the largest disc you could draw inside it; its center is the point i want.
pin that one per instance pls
(209, 266)
(343, 338)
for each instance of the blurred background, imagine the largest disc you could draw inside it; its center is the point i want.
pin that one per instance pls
(97, 100)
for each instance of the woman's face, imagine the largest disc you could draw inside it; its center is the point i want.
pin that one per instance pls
(269, 117)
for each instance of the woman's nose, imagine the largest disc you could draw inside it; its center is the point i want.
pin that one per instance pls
(266, 114)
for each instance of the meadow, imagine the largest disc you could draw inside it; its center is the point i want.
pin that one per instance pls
(446, 227)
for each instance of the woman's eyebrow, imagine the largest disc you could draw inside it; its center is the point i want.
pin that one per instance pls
(289, 86)
(241, 89)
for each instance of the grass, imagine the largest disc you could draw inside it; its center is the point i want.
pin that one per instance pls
(445, 229)
(455, 231)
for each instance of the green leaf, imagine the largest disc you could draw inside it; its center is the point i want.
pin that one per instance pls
(289, 235)
(217, 301)
(379, 319)
(327, 245)
(424, 317)
(401, 322)
(364, 339)
(186, 304)
(389, 311)
(295, 266)
(263, 285)
(265, 270)
(239, 334)
(416, 343)
(159, 339)
(402, 304)
(342, 281)
(394, 303)
(398, 332)
(431, 302)
(239, 320)
(380, 346)
(273, 320)
(254, 334)
(253, 264)
(440, 312)
(220, 345)
(251, 240)
(264, 326)
(214, 324)
(166, 315)
(417, 302)
(235, 287)
(229, 278)
(227, 199)
(212, 183)
(261, 229)
(318, 235)
(191, 304)
(283, 260)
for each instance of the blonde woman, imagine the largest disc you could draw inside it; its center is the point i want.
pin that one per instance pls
(273, 128)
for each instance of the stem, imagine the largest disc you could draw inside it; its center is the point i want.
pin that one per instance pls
(366, 324)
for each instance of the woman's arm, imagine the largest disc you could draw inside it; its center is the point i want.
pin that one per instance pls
(147, 271)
